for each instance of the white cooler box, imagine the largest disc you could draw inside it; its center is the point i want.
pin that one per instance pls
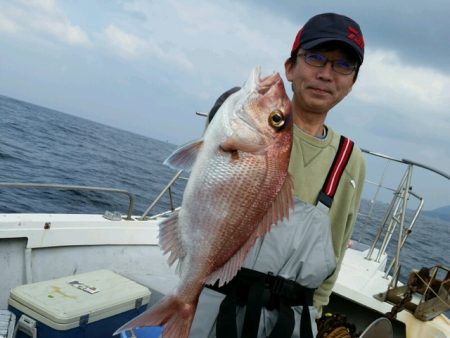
(89, 305)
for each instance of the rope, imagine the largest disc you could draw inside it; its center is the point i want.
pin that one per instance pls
(334, 325)
(414, 286)
(431, 289)
(340, 332)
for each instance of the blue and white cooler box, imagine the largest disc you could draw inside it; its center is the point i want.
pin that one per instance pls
(89, 305)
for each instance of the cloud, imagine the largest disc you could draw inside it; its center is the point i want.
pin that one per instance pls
(130, 46)
(63, 30)
(221, 41)
(7, 25)
(126, 45)
(398, 108)
(401, 85)
(411, 27)
(40, 19)
(48, 6)
(408, 97)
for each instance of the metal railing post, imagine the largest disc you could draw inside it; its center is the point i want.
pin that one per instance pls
(174, 178)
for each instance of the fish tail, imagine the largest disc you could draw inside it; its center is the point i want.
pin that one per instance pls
(175, 315)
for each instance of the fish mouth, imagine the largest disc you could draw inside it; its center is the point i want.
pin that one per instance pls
(257, 85)
(270, 87)
(268, 82)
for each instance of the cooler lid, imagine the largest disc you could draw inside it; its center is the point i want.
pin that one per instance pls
(98, 294)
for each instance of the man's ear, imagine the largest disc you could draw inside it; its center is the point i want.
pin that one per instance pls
(288, 69)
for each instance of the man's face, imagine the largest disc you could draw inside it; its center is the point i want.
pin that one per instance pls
(318, 89)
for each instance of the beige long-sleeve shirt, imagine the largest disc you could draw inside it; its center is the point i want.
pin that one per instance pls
(311, 159)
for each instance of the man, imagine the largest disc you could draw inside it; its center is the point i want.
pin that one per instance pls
(288, 275)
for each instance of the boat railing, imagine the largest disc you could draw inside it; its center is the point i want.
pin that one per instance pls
(167, 189)
(45, 186)
(395, 214)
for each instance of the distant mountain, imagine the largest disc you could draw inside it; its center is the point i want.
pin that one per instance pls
(442, 213)
(380, 208)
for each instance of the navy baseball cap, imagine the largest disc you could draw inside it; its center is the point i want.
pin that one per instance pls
(330, 27)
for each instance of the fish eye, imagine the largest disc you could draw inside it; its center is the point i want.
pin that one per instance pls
(276, 118)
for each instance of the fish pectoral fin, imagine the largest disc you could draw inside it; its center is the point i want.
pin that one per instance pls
(227, 271)
(281, 206)
(170, 240)
(184, 157)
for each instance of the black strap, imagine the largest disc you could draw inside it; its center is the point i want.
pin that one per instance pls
(255, 303)
(340, 161)
(305, 323)
(256, 290)
(285, 323)
(226, 319)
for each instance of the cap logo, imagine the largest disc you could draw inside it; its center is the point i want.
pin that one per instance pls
(356, 36)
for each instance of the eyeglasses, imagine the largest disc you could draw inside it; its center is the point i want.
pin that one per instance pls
(340, 66)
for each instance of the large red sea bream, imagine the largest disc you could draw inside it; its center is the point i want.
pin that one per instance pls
(238, 188)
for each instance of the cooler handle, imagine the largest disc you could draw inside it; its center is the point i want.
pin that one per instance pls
(27, 325)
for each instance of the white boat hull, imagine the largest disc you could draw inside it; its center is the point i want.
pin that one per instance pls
(38, 247)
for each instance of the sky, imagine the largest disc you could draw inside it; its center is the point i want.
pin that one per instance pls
(148, 66)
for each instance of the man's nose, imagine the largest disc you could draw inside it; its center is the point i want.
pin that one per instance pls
(326, 71)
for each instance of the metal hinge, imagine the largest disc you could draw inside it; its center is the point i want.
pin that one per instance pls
(84, 320)
(138, 303)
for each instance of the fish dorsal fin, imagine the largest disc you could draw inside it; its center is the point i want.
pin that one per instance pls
(184, 157)
(278, 211)
(170, 240)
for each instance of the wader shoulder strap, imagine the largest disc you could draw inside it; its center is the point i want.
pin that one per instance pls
(340, 161)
